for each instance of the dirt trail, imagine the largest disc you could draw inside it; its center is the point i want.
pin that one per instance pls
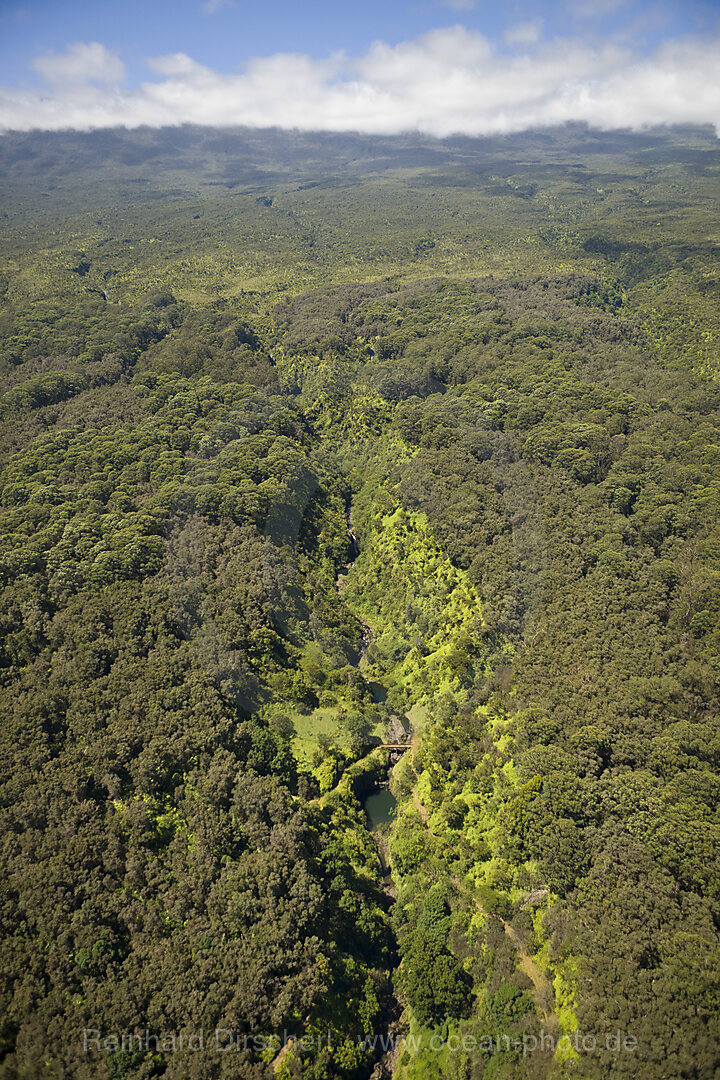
(421, 809)
(543, 994)
(288, 1046)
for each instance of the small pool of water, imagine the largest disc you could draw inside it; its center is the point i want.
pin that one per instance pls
(378, 691)
(380, 807)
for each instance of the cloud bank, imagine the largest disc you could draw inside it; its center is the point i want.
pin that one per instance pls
(446, 82)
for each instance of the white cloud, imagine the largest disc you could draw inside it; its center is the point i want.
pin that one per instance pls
(447, 81)
(524, 33)
(179, 65)
(211, 6)
(81, 63)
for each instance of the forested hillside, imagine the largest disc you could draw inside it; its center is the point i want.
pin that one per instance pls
(306, 440)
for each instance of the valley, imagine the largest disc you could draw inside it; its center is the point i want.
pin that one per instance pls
(360, 588)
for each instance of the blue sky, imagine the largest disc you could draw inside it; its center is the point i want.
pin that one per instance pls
(224, 35)
(443, 65)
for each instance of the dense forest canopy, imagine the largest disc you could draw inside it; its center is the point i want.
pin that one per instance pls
(493, 363)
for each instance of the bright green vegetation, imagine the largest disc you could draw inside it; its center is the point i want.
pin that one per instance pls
(501, 356)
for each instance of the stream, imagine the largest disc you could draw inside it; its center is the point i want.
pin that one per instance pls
(379, 805)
